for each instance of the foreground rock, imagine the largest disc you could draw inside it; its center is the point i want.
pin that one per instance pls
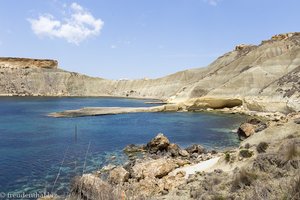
(255, 170)
(132, 148)
(250, 127)
(90, 186)
(196, 148)
(153, 168)
(118, 175)
(159, 143)
(154, 174)
(161, 146)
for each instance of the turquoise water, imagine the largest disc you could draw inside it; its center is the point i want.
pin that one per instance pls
(35, 148)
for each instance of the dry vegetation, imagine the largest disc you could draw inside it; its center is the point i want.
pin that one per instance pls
(273, 173)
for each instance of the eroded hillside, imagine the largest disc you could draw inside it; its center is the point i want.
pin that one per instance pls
(264, 77)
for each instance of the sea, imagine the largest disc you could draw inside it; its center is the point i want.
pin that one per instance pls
(41, 154)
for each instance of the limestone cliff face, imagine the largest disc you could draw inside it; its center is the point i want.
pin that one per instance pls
(263, 77)
(27, 62)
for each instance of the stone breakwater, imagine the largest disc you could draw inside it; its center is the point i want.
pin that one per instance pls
(97, 111)
(229, 106)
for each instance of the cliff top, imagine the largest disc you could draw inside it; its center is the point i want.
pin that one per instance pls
(11, 62)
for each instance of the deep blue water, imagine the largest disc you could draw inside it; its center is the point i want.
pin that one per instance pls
(34, 147)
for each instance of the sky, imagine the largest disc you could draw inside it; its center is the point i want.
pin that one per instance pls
(132, 39)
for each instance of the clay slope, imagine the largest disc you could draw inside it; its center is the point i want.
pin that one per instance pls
(263, 77)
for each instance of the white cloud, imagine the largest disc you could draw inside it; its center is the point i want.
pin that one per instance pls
(113, 46)
(79, 26)
(212, 2)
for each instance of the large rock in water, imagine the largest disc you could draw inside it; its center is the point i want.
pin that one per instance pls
(132, 148)
(250, 127)
(159, 143)
(246, 130)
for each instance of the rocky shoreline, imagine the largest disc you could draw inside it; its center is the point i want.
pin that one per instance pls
(266, 165)
(257, 80)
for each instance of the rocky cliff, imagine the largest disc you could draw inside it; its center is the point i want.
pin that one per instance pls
(27, 62)
(262, 77)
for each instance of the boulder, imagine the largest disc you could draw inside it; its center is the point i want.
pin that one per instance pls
(159, 143)
(246, 130)
(245, 153)
(107, 168)
(153, 168)
(181, 162)
(297, 120)
(174, 150)
(250, 127)
(89, 186)
(196, 148)
(184, 153)
(243, 47)
(118, 175)
(147, 187)
(132, 148)
(170, 182)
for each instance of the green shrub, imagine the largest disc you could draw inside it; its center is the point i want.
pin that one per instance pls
(247, 146)
(227, 157)
(291, 152)
(242, 179)
(245, 153)
(295, 188)
(218, 197)
(262, 147)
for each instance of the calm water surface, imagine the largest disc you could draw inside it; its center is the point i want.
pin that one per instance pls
(35, 148)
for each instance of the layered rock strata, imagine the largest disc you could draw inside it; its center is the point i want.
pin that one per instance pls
(262, 77)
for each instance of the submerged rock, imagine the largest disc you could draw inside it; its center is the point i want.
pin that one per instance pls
(132, 148)
(108, 167)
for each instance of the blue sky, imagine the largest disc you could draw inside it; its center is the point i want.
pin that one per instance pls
(138, 38)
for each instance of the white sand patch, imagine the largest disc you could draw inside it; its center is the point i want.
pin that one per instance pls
(202, 166)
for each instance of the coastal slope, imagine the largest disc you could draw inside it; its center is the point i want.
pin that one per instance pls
(263, 77)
